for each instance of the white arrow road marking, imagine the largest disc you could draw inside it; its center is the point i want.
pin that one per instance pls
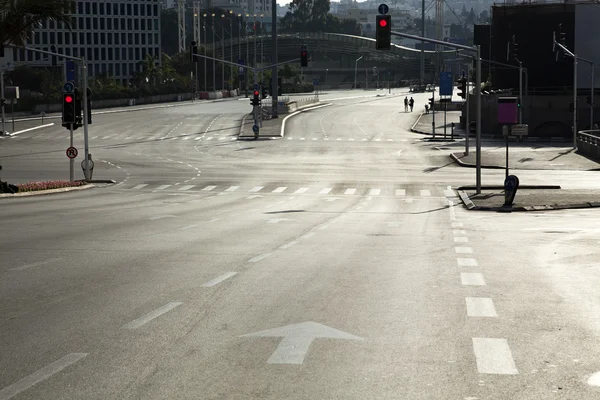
(297, 339)
(161, 216)
(40, 375)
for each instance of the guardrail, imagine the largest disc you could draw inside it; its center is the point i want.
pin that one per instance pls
(588, 144)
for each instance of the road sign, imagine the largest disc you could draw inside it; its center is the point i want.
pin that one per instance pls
(520, 130)
(383, 9)
(255, 128)
(69, 87)
(256, 86)
(315, 82)
(70, 71)
(445, 83)
(297, 339)
(72, 152)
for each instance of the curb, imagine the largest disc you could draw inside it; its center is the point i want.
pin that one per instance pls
(499, 187)
(101, 181)
(45, 192)
(303, 109)
(469, 165)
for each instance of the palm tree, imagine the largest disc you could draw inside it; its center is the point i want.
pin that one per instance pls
(19, 17)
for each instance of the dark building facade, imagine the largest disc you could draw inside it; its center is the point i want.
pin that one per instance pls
(532, 26)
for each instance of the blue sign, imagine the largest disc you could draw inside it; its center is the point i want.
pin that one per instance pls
(70, 70)
(383, 9)
(315, 82)
(69, 87)
(446, 84)
(255, 128)
(241, 69)
(256, 86)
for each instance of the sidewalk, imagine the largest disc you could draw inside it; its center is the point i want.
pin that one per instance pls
(529, 199)
(271, 128)
(424, 126)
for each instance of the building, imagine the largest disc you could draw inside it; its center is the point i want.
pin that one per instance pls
(168, 3)
(114, 36)
(579, 23)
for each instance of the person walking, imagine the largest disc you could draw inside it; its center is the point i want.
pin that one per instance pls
(411, 103)
(406, 104)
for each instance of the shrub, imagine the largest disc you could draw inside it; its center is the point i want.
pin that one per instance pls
(47, 185)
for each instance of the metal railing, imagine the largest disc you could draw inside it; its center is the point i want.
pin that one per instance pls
(588, 143)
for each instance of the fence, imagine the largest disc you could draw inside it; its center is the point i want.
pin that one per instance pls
(588, 144)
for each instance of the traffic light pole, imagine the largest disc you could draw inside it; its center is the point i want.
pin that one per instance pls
(86, 164)
(571, 54)
(520, 92)
(2, 95)
(71, 160)
(477, 51)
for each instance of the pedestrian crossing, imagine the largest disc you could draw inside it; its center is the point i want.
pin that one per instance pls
(193, 138)
(329, 190)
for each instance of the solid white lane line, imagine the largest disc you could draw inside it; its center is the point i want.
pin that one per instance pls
(463, 250)
(219, 279)
(467, 262)
(424, 193)
(309, 234)
(461, 239)
(480, 307)
(258, 258)
(325, 191)
(143, 185)
(493, 356)
(472, 279)
(40, 375)
(162, 187)
(151, 315)
(256, 189)
(36, 264)
(458, 232)
(457, 224)
(186, 187)
(288, 245)
(232, 188)
(161, 217)
(280, 189)
(302, 190)
(400, 192)
(208, 188)
(350, 191)
(375, 192)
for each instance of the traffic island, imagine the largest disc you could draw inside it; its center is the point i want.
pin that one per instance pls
(41, 188)
(528, 198)
(271, 129)
(424, 125)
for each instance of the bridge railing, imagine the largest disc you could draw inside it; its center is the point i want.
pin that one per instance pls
(588, 143)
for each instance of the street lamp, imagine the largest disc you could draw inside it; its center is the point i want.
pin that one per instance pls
(213, 53)
(356, 70)
(231, 45)
(223, 52)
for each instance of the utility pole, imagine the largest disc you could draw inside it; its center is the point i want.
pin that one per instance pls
(422, 42)
(274, 73)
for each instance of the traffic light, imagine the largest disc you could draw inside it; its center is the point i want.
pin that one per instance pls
(193, 50)
(513, 50)
(431, 103)
(518, 102)
(69, 106)
(304, 57)
(78, 108)
(462, 87)
(383, 32)
(255, 99)
(89, 106)
(562, 36)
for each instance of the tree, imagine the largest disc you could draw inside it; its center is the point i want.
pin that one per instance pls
(169, 28)
(19, 17)
(306, 15)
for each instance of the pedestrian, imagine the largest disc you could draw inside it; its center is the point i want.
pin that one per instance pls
(406, 104)
(411, 103)
(426, 108)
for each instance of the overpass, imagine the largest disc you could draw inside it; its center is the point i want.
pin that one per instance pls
(333, 52)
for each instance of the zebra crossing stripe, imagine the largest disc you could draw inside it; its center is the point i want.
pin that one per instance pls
(162, 187)
(186, 187)
(280, 189)
(425, 193)
(350, 191)
(232, 188)
(209, 188)
(375, 192)
(400, 192)
(325, 191)
(143, 185)
(302, 190)
(256, 189)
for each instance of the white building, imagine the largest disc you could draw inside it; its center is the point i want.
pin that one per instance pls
(112, 35)
(168, 3)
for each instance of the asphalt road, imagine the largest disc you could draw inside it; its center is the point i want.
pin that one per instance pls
(334, 263)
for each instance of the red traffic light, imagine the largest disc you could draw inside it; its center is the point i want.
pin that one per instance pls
(303, 54)
(382, 23)
(256, 92)
(68, 99)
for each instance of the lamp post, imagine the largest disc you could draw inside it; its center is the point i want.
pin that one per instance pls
(239, 46)
(205, 41)
(214, 87)
(261, 45)
(247, 53)
(356, 70)
(231, 45)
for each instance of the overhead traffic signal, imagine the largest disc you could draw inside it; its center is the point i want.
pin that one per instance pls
(69, 108)
(462, 87)
(193, 50)
(383, 32)
(304, 57)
